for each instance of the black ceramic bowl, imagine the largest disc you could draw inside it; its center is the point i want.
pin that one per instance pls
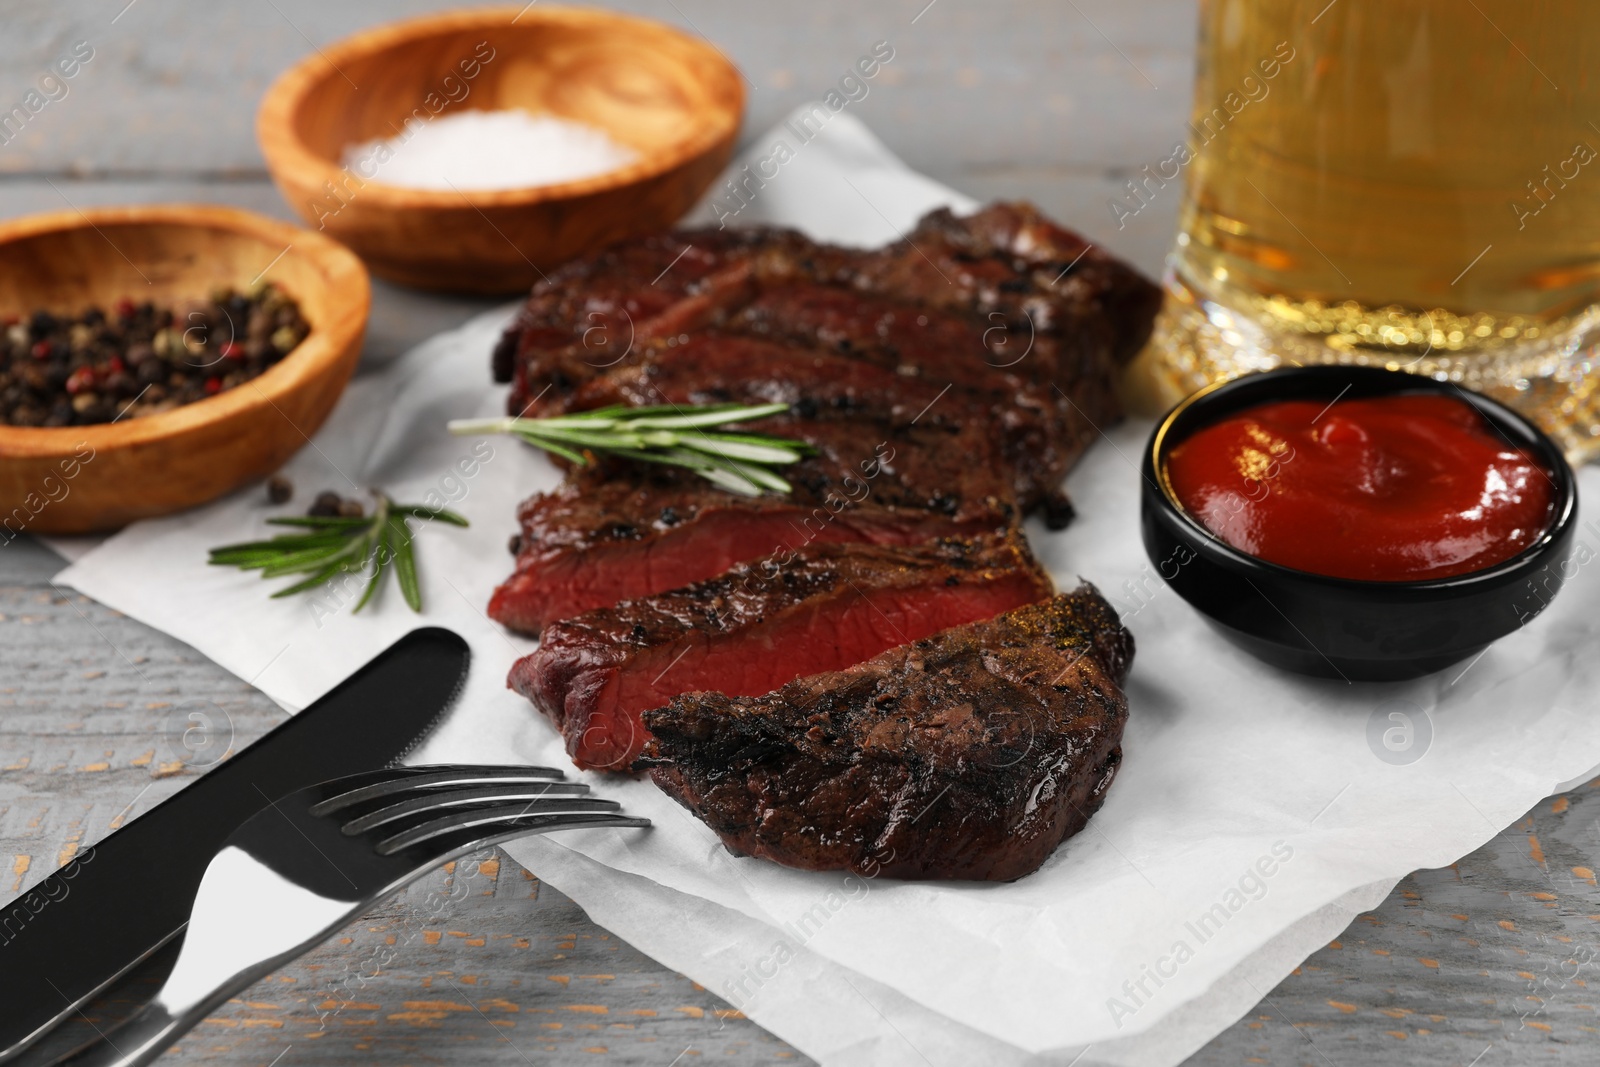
(1341, 627)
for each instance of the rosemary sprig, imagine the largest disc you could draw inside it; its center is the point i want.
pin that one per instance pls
(667, 434)
(336, 546)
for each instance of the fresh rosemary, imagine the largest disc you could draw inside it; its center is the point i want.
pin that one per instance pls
(667, 434)
(335, 546)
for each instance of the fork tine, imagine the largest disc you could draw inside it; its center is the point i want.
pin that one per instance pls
(437, 803)
(403, 780)
(505, 820)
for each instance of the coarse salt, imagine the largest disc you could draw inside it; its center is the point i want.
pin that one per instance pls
(510, 149)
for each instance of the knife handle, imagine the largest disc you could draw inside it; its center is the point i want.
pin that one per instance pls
(140, 1040)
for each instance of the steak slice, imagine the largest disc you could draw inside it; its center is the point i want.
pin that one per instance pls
(970, 754)
(603, 537)
(713, 367)
(1012, 259)
(1003, 378)
(590, 312)
(758, 626)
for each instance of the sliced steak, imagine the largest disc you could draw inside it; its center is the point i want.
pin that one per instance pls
(1011, 259)
(590, 313)
(758, 626)
(986, 289)
(713, 368)
(605, 536)
(969, 754)
(991, 372)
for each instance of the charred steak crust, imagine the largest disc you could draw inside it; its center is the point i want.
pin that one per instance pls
(758, 626)
(970, 754)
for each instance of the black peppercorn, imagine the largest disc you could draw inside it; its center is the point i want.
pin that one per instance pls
(136, 359)
(326, 505)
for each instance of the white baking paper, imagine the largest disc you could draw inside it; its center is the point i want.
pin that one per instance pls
(1255, 813)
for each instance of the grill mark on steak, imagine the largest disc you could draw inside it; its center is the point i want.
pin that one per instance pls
(758, 626)
(970, 754)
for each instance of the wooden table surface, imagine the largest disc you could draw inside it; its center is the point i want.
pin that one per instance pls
(1484, 963)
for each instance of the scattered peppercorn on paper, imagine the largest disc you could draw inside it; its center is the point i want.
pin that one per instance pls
(1255, 814)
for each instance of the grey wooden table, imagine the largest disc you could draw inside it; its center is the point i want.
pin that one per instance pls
(1484, 963)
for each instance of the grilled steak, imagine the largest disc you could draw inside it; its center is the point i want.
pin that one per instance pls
(587, 314)
(1005, 304)
(894, 369)
(717, 368)
(1007, 259)
(758, 626)
(984, 370)
(1010, 258)
(607, 535)
(969, 754)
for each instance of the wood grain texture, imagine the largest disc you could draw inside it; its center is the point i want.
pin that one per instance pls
(1489, 961)
(1092, 85)
(80, 479)
(671, 98)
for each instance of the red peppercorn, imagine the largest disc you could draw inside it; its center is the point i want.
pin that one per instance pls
(79, 380)
(41, 350)
(233, 350)
(116, 365)
(213, 386)
(123, 308)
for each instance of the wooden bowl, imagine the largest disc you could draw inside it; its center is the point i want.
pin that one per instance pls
(674, 99)
(82, 479)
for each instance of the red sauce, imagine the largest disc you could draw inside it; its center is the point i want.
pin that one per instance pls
(1390, 488)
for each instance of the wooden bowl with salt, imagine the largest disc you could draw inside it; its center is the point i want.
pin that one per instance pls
(86, 479)
(672, 99)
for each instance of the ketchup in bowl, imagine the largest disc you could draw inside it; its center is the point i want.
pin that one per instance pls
(1391, 488)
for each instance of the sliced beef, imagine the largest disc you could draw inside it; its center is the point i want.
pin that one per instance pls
(1011, 259)
(1001, 300)
(712, 368)
(969, 754)
(758, 626)
(591, 312)
(1005, 377)
(606, 536)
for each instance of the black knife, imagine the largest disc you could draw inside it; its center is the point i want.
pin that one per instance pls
(113, 905)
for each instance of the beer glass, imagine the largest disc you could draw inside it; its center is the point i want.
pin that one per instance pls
(1402, 183)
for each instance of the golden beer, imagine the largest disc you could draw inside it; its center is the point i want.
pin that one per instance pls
(1410, 183)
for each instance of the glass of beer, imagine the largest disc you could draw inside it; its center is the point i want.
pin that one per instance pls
(1404, 183)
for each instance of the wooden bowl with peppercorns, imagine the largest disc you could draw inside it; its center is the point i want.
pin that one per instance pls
(154, 358)
(671, 100)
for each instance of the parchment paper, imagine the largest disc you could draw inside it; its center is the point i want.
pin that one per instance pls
(1255, 813)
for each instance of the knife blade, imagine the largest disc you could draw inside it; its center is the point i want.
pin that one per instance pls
(116, 903)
